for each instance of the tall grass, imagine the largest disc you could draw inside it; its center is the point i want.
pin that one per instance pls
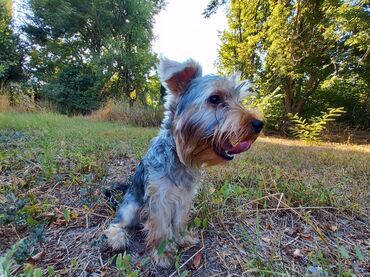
(4, 103)
(121, 112)
(24, 103)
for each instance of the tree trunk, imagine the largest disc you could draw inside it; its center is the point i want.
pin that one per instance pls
(288, 95)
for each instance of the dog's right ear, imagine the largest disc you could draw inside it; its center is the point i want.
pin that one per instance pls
(176, 76)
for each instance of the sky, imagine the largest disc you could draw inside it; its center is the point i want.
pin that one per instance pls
(182, 32)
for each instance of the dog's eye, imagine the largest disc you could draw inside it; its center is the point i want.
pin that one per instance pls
(215, 99)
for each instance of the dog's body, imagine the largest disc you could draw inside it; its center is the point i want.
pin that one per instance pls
(204, 125)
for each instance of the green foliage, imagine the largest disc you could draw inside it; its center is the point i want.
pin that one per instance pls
(297, 46)
(7, 259)
(31, 271)
(83, 52)
(347, 92)
(123, 264)
(74, 89)
(311, 130)
(11, 55)
(271, 106)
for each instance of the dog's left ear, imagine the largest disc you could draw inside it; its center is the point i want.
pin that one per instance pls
(176, 76)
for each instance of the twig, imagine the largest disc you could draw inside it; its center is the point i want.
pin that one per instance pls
(84, 268)
(66, 247)
(261, 198)
(290, 242)
(188, 260)
(87, 221)
(278, 205)
(290, 208)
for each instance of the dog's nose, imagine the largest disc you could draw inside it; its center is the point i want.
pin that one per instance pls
(257, 125)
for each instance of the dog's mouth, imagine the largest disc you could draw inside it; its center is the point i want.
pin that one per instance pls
(228, 151)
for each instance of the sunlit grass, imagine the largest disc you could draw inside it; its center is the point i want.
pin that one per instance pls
(48, 150)
(308, 173)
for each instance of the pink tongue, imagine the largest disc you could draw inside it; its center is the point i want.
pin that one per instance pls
(240, 147)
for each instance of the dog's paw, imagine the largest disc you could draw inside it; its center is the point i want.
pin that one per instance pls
(165, 259)
(117, 237)
(188, 239)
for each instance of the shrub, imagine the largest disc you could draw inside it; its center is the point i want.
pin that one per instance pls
(311, 130)
(122, 112)
(271, 106)
(75, 90)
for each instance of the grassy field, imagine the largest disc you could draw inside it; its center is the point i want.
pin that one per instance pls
(285, 208)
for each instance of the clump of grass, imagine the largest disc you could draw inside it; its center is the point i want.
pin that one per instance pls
(4, 103)
(122, 112)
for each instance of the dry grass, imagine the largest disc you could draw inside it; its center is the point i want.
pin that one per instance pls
(284, 208)
(24, 103)
(4, 103)
(121, 112)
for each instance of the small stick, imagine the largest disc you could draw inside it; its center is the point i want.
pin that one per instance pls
(290, 242)
(278, 205)
(84, 268)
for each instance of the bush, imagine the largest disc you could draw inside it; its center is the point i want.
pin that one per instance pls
(272, 107)
(122, 112)
(75, 90)
(350, 93)
(311, 131)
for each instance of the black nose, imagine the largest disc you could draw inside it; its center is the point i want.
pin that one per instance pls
(257, 125)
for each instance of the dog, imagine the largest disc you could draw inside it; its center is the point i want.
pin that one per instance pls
(204, 124)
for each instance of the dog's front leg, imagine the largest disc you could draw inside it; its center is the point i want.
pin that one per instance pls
(183, 237)
(158, 224)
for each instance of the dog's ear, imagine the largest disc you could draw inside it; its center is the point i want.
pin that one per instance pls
(176, 76)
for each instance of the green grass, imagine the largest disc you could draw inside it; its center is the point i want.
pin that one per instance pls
(50, 138)
(39, 151)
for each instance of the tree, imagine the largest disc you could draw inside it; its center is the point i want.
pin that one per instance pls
(112, 38)
(296, 45)
(11, 56)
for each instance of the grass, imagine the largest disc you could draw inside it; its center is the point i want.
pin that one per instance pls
(253, 212)
(120, 111)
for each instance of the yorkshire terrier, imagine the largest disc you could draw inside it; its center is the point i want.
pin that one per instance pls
(204, 124)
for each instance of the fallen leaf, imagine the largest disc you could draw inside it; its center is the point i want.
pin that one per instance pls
(197, 260)
(138, 265)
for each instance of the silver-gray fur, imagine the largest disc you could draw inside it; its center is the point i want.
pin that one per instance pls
(165, 181)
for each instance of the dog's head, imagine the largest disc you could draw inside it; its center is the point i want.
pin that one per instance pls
(204, 114)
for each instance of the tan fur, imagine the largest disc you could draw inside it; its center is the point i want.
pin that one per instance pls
(197, 151)
(117, 236)
(167, 214)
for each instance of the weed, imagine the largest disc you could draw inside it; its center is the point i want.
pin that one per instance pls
(311, 131)
(123, 265)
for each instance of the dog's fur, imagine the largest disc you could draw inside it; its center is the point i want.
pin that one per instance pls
(204, 125)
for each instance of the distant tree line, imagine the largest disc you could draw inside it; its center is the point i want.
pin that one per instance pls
(302, 57)
(80, 53)
(11, 54)
(314, 54)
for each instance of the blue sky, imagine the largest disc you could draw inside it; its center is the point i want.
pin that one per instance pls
(182, 32)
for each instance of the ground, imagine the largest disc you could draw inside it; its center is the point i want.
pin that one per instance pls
(284, 208)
